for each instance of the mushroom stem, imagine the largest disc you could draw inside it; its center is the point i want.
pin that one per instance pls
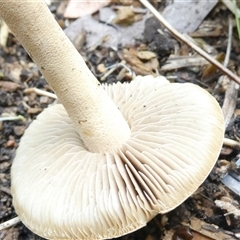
(97, 119)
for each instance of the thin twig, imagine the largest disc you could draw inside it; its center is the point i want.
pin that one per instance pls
(229, 46)
(6, 190)
(13, 118)
(228, 51)
(9, 223)
(40, 92)
(231, 143)
(179, 36)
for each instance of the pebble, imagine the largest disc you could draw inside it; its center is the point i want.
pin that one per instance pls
(10, 143)
(19, 130)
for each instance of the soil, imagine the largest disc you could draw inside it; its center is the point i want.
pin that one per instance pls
(199, 217)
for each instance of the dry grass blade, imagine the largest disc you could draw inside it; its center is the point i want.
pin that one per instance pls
(179, 36)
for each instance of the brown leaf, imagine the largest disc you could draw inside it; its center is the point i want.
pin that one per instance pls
(9, 234)
(137, 65)
(152, 64)
(210, 69)
(98, 31)
(34, 110)
(125, 16)
(9, 86)
(199, 236)
(146, 55)
(208, 230)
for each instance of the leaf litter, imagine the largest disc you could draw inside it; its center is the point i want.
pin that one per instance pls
(121, 49)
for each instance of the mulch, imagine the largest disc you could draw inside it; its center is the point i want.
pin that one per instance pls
(198, 217)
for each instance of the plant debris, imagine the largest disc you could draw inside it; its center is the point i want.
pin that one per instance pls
(116, 52)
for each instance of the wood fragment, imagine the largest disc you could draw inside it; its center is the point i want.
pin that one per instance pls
(231, 143)
(8, 86)
(230, 102)
(6, 190)
(40, 92)
(231, 207)
(203, 228)
(9, 223)
(176, 62)
(34, 110)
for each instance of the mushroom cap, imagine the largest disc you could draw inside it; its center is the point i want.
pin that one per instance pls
(62, 191)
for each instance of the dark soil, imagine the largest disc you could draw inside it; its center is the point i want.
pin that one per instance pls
(17, 73)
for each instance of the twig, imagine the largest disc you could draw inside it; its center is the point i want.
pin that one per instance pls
(231, 143)
(229, 46)
(228, 52)
(114, 67)
(179, 36)
(40, 92)
(6, 190)
(9, 223)
(183, 61)
(104, 77)
(13, 118)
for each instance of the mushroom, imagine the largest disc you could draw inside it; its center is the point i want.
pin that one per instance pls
(109, 158)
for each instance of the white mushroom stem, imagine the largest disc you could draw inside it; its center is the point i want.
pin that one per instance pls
(97, 119)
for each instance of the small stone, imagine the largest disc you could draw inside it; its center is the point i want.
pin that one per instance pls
(10, 143)
(19, 130)
(101, 68)
(44, 99)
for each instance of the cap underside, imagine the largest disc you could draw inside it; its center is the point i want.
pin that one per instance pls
(63, 191)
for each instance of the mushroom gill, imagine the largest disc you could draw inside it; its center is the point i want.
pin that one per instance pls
(61, 190)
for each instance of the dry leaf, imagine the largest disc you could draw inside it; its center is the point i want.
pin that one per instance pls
(232, 207)
(210, 69)
(123, 2)
(208, 29)
(9, 234)
(34, 110)
(96, 30)
(208, 230)
(169, 235)
(146, 55)
(186, 16)
(136, 64)
(199, 236)
(80, 8)
(9, 86)
(12, 71)
(125, 16)
(152, 64)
